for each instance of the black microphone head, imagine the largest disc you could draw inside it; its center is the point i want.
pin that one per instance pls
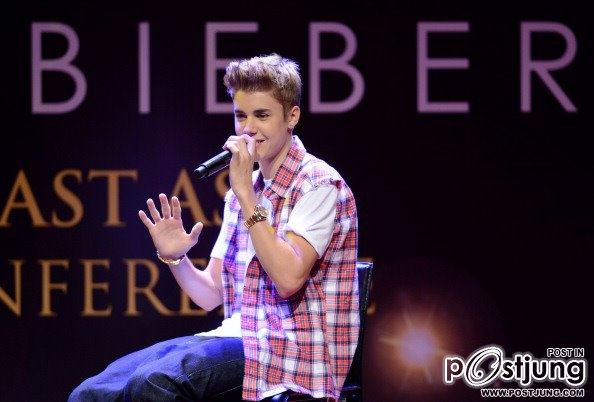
(201, 171)
(214, 164)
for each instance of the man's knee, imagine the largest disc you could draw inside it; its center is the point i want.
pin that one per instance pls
(87, 391)
(76, 395)
(148, 384)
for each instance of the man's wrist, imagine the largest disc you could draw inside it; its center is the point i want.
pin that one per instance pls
(170, 261)
(260, 214)
(247, 203)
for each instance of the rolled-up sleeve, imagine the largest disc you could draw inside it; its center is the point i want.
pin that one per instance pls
(313, 217)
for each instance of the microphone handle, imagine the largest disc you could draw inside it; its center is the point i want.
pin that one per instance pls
(213, 165)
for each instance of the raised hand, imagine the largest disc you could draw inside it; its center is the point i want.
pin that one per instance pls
(167, 230)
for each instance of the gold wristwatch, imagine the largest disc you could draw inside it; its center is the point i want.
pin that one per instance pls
(260, 214)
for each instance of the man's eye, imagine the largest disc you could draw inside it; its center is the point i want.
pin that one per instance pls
(240, 116)
(262, 116)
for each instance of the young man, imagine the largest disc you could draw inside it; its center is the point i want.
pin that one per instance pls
(283, 266)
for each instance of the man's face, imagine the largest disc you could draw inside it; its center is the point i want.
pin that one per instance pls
(261, 116)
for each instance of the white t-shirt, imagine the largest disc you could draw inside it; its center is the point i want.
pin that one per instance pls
(312, 218)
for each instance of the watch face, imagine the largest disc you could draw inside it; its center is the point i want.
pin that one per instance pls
(263, 211)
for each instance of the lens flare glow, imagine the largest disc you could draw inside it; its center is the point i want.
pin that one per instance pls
(417, 347)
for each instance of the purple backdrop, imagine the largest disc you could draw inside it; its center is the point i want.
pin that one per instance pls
(464, 130)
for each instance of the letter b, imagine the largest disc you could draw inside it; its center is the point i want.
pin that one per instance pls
(341, 63)
(61, 64)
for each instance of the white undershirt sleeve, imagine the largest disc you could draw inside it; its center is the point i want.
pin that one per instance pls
(313, 217)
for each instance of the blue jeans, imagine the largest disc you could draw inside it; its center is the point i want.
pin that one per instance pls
(190, 368)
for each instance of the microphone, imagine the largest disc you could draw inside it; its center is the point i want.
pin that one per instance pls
(213, 165)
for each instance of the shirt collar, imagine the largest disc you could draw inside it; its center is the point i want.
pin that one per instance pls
(287, 170)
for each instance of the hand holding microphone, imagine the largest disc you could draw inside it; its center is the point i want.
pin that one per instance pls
(220, 161)
(240, 154)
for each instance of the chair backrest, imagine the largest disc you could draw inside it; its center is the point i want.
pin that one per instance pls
(364, 271)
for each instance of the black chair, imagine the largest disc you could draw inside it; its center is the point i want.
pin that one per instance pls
(352, 390)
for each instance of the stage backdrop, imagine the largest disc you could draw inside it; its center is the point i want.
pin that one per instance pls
(464, 129)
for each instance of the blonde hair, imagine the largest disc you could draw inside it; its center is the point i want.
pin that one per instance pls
(266, 73)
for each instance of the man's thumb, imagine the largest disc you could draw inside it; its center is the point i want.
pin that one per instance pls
(195, 233)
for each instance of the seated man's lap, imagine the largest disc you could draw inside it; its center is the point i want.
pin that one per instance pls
(197, 367)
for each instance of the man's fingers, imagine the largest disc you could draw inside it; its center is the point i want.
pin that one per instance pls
(251, 143)
(147, 222)
(153, 210)
(165, 206)
(176, 207)
(195, 233)
(241, 145)
(231, 140)
(246, 145)
(232, 146)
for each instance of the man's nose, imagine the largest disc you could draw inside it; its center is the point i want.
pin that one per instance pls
(249, 127)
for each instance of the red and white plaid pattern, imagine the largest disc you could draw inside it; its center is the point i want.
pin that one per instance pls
(305, 343)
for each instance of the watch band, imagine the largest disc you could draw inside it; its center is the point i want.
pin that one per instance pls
(260, 214)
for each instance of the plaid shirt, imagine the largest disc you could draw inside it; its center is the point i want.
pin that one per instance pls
(306, 342)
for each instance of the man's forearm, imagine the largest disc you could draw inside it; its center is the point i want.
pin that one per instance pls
(197, 284)
(281, 261)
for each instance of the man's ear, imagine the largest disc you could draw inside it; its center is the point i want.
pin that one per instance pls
(294, 115)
